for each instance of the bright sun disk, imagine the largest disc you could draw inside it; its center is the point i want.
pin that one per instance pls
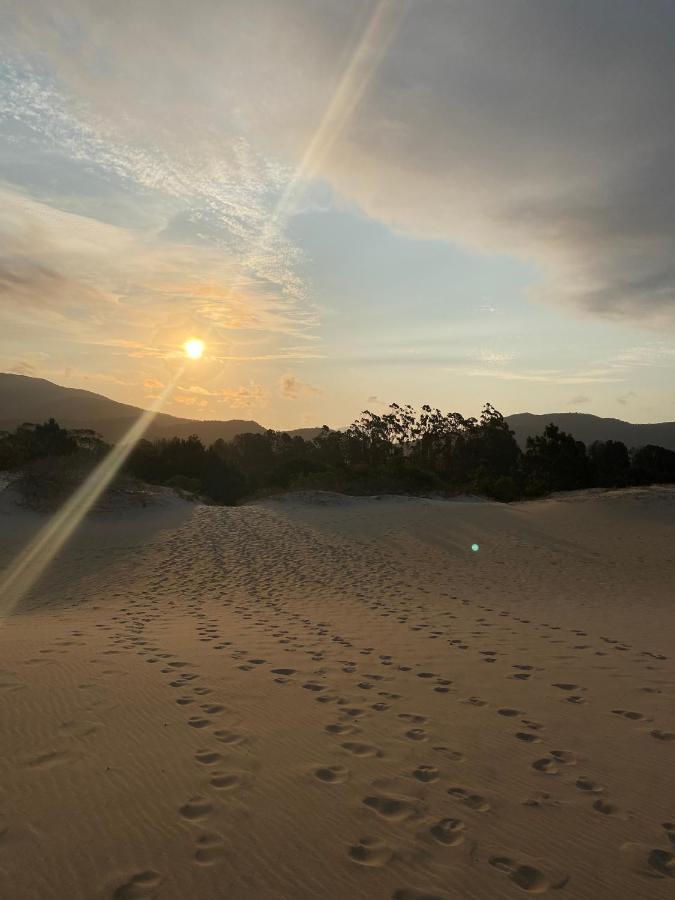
(193, 348)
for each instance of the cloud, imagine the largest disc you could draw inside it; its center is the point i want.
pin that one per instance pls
(578, 400)
(245, 396)
(28, 285)
(543, 130)
(625, 399)
(294, 389)
(91, 274)
(250, 396)
(189, 401)
(23, 368)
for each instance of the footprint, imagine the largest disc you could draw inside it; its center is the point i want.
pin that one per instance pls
(207, 757)
(587, 784)
(339, 728)
(426, 774)
(50, 760)
(469, 799)
(566, 757)
(528, 737)
(607, 809)
(283, 671)
(139, 886)
(370, 851)
(226, 781)
(417, 734)
(546, 765)
(196, 808)
(228, 737)
(412, 718)
(449, 753)
(528, 878)
(332, 774)
(361, 749)
(662, 735)
(77, 729)
(541, 799)
(210, 849)
(628, 714)
(508, 711)
(197, 722)
(449, 832)
(354, 713)
(396, 809)
(650, 861)
(565, 686)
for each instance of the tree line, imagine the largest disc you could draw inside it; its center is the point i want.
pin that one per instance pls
(404, 451)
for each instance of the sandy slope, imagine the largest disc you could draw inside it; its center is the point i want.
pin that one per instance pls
(339, 699)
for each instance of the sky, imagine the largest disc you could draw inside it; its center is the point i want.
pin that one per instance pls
(352, 202)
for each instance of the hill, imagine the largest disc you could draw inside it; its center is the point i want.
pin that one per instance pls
(588, 428)
(26, 399)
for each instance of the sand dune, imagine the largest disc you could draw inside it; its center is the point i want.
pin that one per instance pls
(328, 697)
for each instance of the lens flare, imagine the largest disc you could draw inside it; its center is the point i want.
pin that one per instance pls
(194, 348)
(475, 547)
(35, 558)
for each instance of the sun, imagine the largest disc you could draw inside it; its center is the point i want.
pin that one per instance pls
(193, 348)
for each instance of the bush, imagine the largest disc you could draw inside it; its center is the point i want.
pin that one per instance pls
(183, 483)
(47, 483)
(400, 452)
(653, 465)
(503, 489)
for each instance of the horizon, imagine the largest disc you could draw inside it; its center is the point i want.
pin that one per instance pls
(349, 204)
(524, 412)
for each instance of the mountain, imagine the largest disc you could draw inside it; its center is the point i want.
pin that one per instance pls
(25, 399)
(589, 428)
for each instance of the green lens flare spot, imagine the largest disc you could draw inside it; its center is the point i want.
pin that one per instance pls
(475, 547)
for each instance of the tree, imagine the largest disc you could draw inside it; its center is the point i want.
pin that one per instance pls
(609, 463)
(653, 465)
(554, 461)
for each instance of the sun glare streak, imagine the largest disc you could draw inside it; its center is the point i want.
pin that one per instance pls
(378, 34)
(32, 561)
(357, 75)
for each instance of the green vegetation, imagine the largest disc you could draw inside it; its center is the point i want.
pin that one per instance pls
(403, 451)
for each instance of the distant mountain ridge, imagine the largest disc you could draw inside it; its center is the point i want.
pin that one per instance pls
(589, 428)
(27, 399)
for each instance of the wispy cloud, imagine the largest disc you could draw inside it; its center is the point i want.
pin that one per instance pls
(625, 399)
(293, 388)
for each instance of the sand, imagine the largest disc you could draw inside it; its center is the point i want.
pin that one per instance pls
(324, 697)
